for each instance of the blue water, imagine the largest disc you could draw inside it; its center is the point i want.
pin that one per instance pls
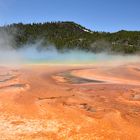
(32, 55)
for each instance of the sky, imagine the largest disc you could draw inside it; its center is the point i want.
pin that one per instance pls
(97, 15)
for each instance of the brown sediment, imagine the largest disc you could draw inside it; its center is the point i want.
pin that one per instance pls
(121, 75)
(70, 103)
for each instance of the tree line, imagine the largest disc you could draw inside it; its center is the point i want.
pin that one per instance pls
(69, 35)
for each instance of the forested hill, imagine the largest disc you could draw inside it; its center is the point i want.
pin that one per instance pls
(69, 35)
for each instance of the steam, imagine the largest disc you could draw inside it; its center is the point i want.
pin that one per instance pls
(33, 54)
(8, 55)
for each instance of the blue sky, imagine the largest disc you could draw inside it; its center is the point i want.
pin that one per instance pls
(97, 15)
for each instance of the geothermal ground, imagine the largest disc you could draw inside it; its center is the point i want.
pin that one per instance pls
(44, 102)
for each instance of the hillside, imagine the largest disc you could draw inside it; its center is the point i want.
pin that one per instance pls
(69, 35)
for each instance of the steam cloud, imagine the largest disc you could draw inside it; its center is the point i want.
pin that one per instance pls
(8, 55)
(30, 53)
